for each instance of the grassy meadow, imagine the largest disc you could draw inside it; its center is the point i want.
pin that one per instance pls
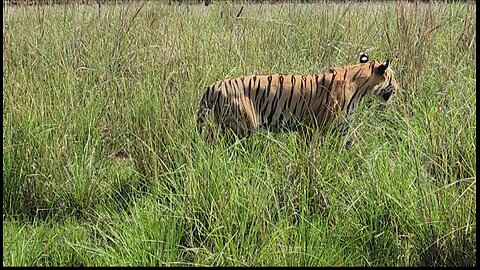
(102, 163)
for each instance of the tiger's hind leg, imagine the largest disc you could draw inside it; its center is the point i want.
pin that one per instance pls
(243, 125)
(239, 120)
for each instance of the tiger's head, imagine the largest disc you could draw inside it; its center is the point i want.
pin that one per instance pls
(381, 83)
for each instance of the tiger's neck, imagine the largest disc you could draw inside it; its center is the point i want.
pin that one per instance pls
(355, 90)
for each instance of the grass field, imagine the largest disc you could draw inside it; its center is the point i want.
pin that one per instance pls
(102, 164)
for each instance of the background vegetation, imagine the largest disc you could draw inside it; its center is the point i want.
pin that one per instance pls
(102, 164)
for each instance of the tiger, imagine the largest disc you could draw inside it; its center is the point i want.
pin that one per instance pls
(294, 102)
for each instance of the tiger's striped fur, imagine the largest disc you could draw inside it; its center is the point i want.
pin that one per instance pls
(246, 103)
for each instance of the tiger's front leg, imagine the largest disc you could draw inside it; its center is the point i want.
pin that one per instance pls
(346, 130)
(349, 140)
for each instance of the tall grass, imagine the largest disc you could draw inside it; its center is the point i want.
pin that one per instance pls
(102, 164)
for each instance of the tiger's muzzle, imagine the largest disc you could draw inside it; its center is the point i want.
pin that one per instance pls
(386, 96)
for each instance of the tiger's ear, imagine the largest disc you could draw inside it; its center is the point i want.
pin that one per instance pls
(363, 58)
(383, 67)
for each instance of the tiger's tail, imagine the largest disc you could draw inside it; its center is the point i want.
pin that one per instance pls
(205, 105)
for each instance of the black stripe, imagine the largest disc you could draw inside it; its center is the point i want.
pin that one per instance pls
(311, 92)
(316, 90)
(238, 87)
(208, 94)
(216, 96)
(361, 86)
(250, 85)
(310, 99)
(266, 92)
(364, 92)
(223, 87)
(262, 113)
(352, 101)
(356, 75)
(302, 84)
(295, 108)
(333, 80)
(322, 86)
(275, 100)
(302, 93)
(344, 85)
(292, 92)
(312, 112)
(327, 92)
(296, 104)
(324, 103)
(258, 91)
(220, 98)
(242, 79)
(257, 94)
(263, 100)
(302, 105)
(240, 91)
(286, 101)
(280, 119)
(289, 102)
